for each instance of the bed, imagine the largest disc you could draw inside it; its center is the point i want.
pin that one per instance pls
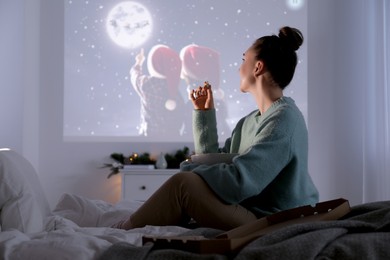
(78, 228)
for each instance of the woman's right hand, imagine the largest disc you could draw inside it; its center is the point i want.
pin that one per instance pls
(202, 97)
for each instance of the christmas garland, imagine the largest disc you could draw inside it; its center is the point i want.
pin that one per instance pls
(173, 160)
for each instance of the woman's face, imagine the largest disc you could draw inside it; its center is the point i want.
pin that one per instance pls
(247, 69)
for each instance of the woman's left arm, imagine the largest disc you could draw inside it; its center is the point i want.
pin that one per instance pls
(252, 171)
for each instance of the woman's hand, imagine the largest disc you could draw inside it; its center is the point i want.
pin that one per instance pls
(202, 97)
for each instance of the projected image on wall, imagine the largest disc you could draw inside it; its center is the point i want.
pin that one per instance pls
(129, 65)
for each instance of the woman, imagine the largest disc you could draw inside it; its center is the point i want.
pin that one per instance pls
(270, 173)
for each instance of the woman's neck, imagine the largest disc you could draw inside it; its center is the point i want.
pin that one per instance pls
(265, 95)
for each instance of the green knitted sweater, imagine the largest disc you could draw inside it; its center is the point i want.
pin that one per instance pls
(270, 173)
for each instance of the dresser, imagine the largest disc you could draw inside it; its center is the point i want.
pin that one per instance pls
(141, 184)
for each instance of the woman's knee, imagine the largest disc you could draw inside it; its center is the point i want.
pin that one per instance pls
(185, 178)
(188, 183)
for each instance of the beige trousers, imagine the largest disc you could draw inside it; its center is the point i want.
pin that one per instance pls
(184, 196)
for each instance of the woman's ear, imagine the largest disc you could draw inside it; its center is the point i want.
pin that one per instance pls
(259, 68)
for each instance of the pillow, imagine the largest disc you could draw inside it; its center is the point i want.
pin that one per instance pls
(23, 204)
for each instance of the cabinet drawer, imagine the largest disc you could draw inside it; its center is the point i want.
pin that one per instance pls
(141, 186)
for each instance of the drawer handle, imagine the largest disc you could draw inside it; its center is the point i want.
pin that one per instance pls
(143, 187)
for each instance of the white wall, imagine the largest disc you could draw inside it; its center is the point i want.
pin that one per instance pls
(11, 71)
(336, 83)
(35, 129)
(321, 26)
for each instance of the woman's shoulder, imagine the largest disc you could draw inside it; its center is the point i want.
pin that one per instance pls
(284, 115)
(286, 106)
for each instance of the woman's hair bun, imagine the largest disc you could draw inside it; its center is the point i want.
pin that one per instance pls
(291, 37)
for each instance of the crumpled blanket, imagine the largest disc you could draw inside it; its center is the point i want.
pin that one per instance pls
(364, 233)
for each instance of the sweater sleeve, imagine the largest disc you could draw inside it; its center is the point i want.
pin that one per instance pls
(205, 131)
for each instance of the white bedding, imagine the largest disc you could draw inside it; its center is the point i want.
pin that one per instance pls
(78, 229)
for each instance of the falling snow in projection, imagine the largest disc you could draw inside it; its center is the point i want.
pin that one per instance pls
(103, 37)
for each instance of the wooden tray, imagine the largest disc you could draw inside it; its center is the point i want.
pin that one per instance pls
(234, 239)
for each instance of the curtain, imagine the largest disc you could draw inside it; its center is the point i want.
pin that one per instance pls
(376, 102)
